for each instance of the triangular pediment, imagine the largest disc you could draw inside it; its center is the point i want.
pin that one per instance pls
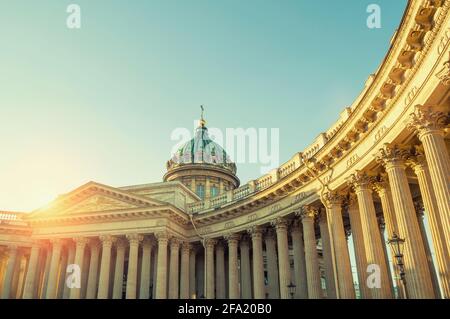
(99, 202)
(94, 197)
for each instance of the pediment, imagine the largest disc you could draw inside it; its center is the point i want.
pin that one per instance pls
(97, 203)
(94, 197)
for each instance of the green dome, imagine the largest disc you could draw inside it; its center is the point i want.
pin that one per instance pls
(202, 150)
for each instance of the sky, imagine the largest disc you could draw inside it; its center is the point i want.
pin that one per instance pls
(101, 102)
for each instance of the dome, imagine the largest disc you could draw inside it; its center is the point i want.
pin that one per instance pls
(202, 150)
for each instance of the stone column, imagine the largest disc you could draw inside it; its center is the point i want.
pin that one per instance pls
(80, 244)
(192, 270)
(185, 274)
(382, 227)
(144, 291)
(258, 263)
(434, 277)
(283, 257)
(246, 280)
(105, 266)
(174, 268)
(121, 245)
(233, 277)
(45, 275)
(382, 188)
(298, 248)
(429, 125)
(53, 273)
(417, 274)
(272, 265)
(358, 245)
(133, 240)
(344, 279)
(373, 248)
(91, 291)
(70, 261)
(161, 276)
(308, 214)
(209, 255)
(62, 272)
(327, 257)
(441, 247)
(220, 271)
(30, 280)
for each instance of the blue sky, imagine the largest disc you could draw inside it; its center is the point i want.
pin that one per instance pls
(100, 103)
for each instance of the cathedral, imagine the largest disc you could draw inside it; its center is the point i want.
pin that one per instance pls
(380, 175)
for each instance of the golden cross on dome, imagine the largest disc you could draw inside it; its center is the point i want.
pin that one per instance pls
(202, 120)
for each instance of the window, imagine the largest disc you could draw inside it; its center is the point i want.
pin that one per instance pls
(214, 191)
(201, 191)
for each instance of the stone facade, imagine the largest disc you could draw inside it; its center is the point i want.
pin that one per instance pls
(387, 155)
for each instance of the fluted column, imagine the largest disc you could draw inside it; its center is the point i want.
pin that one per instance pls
(133, 240)
(62, 271)
(284, 267)
(358, 245)
(373, 248)
(174, 268)
(220, 271)
(209, 255)
(105, 266)
(298, 248)
(327, 257)
(332, 202)
(46, 272)
(434, 278)
(246, 280)
(91, 291)
(441, 247)
(233, 277)
(144, 290)
(417, 274)
(53, 273)
(429, 125)
(307, 215)
(30, 280)
(80, 243)
(258, 263)
(185, 275)
(382, 188)
(272, 264)
(70, 260)
(121, 245)
(192, 276)
(161, 276)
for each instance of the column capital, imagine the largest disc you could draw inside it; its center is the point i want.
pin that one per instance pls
(210, 242)
(255, 231)
(186, 246)
(416, 160)
(360, 181)
(381, 185)
(391, 155)
(120, 243)
(332, 198)
(56, 241)
(279, 223)
(134, 239)
(175, 243)
(162, 236)
(107, 240)
(232, 238)
(308, 211)
(424, 120)
(81, 241)
(296, 225)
